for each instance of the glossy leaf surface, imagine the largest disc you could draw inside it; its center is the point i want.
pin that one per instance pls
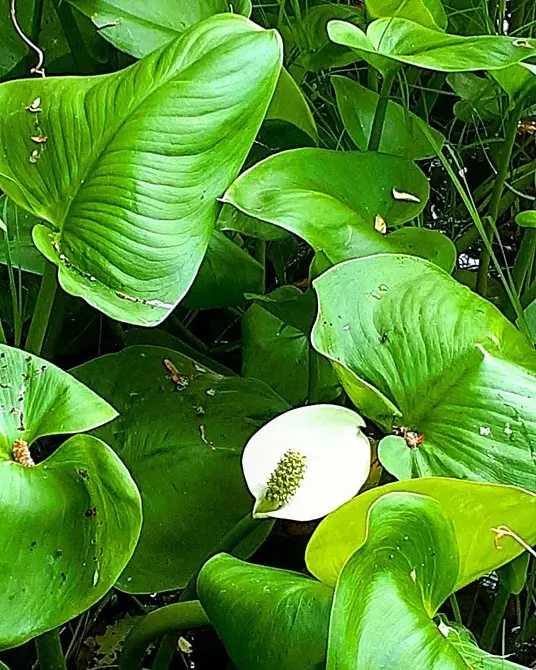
(59, 518)
(183, 447)
(134, 162)
(70, 525)
(473, 508)
(404, 41)
(246, 601)
(414, 348)
(392, 588)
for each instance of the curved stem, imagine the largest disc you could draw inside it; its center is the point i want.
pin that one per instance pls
(165, 652)
(381, 111)
(500, 181)
(49, 651)
(170, 619)
(243, 529)
(42, 311)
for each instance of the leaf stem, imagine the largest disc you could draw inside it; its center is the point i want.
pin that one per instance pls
(381, 111)
(169, 619)
(525, 260)
(496, 615)
(500, 181)
(456, 609)
(43, 310)
(49, 651)
(242, 530)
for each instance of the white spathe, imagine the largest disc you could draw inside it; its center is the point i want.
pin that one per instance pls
(337, 459)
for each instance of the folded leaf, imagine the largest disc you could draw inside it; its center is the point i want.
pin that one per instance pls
(133, 164)
(266, 618)
(474, 509)
(403, 41)
(392, 588)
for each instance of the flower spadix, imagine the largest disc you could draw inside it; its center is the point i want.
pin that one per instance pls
(306, 462)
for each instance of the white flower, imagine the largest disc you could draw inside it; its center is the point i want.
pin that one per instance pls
(306, 462)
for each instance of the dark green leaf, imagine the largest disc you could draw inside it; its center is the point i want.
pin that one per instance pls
(402, 134)
(183, 448)
(226, 274)
(276, 348)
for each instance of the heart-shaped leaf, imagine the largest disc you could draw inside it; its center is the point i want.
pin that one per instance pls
(402, 132)
(181, 434)
(69, 527)
(475, 509)
(403, 41)
(392, 588)
(141, 27)
(423, 355)
(245, 601)
(134, 161)
(38, 399)
(309, 192)
(481, 97)
(430, 13)
(64, 543)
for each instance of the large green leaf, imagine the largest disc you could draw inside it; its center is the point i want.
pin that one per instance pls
(226, 274)
(474, 508)
(277, 352)
(141, 26)
(415, 349)
(64, 544)
(392, 588)
(404, 41)
(266, 618)
(402, 133)
(134, 162)
(430, 13)
(332, 200)
(183, 448)
(69, 527)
